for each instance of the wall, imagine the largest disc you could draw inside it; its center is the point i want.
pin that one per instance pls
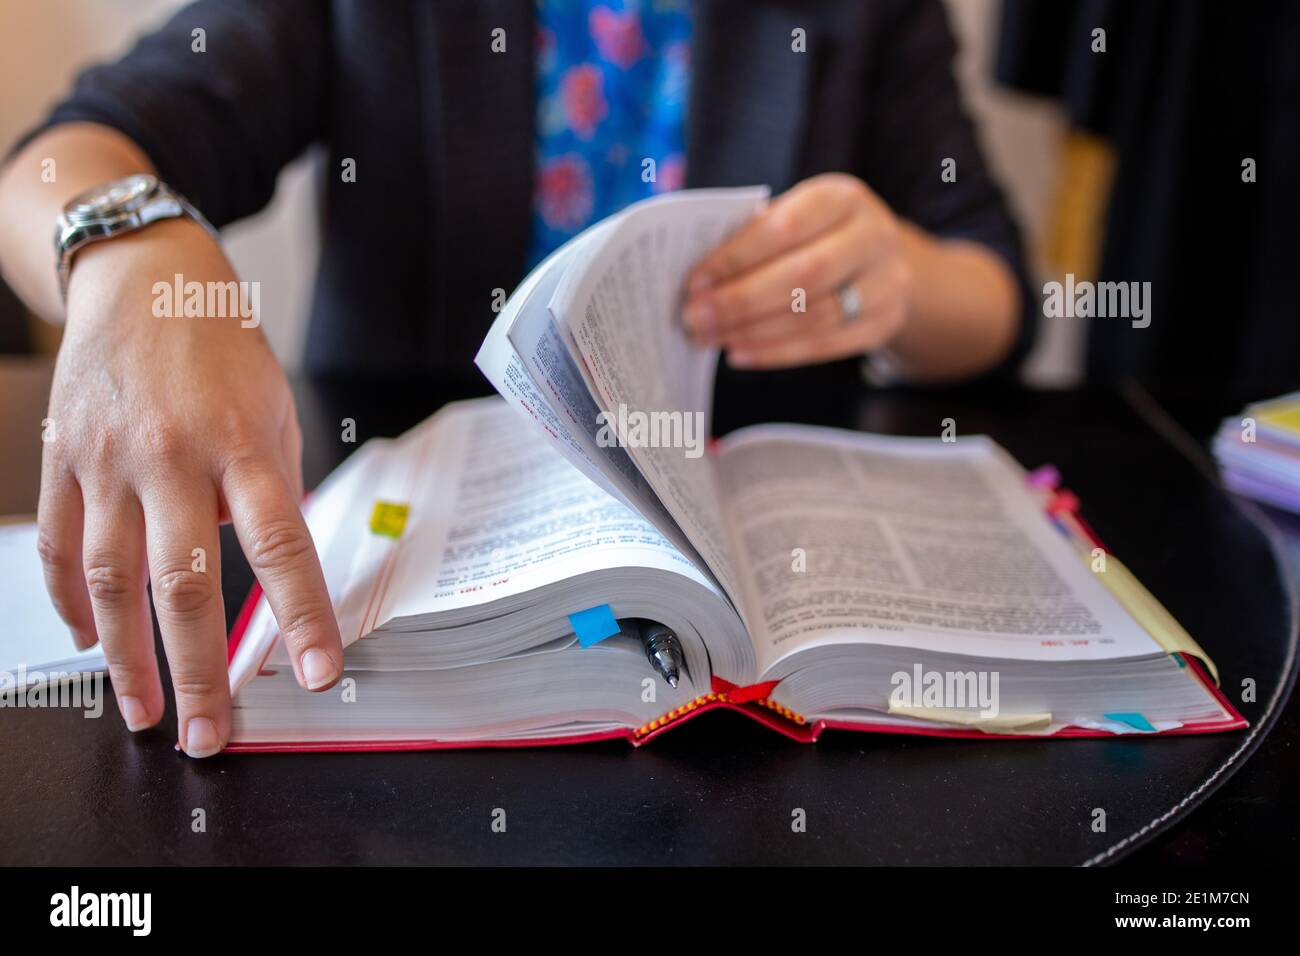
(43, 43)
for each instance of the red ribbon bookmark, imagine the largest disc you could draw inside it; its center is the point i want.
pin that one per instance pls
(743, 695)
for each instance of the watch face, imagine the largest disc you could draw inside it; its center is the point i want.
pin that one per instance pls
(115, 198)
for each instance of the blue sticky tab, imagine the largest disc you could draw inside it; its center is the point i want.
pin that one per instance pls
(594, 624)
(1136, 721)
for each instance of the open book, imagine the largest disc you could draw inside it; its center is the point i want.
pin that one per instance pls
(814, 577)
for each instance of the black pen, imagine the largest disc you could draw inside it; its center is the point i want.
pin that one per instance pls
(662, 648)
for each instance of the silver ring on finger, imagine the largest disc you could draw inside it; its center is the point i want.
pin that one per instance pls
(850, 303)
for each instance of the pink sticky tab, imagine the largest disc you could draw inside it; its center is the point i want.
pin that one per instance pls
(1046, 478)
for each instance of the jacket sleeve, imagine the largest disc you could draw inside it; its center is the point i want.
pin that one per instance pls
(919, 123)
(221, 112)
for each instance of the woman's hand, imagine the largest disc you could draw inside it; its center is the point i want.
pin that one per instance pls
(819, 275)
(159, 429)
(827, 271)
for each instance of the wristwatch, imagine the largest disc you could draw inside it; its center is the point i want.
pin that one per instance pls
(114, 209)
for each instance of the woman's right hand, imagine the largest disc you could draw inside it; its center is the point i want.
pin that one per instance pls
(159, 429)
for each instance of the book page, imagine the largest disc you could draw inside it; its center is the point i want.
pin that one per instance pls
(623, 312)
(491, 513)
(848, 538)
(501, 362)
(527, 358)
(495, 513)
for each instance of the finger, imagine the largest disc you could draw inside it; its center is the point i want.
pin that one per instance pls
(796, 216)
(833, 337)
(114, 567)
(797, 351)
(58, 543)
(815, 269)
(881, 292)
(279, 547)
(822, 315)
(857, 338)
(185, 570)
(291, 449)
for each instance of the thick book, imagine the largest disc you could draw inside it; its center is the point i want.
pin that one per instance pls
(1258, 452)
(816, 578)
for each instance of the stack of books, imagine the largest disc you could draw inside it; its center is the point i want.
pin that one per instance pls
(1259, 452)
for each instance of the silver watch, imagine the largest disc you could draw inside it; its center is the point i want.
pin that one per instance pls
(114, 209)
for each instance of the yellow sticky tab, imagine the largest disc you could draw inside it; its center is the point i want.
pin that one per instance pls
(388, 518)
(998, 724)
(1150, 613)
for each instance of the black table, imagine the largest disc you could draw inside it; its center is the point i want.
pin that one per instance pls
(721, 789)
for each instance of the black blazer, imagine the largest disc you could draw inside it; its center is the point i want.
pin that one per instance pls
(442, 131)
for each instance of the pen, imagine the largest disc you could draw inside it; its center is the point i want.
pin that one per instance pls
(662, 648)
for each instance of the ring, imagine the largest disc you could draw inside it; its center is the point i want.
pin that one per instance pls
(850, 303)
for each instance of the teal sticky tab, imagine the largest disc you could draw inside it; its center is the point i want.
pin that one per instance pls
(1136, 721)
(594, 624)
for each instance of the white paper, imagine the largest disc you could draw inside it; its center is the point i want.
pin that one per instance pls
(623, 310)
(495, 513)
(849, 538)
(33, 638)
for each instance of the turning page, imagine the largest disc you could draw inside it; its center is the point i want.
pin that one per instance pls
(528, 359)
(845, 538)
(623, 311)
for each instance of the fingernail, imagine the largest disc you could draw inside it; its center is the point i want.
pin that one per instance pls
(201, 738)
(700, 317)
(133, 712)
(700, 282)
(317, 668)
(83, 640)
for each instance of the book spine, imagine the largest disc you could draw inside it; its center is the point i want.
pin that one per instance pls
(724, 694)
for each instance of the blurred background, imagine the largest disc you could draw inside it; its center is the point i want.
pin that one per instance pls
(43, 45)
(1120, 164)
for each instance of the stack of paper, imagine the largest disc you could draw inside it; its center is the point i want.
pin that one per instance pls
(34, 642)
(1259, 452)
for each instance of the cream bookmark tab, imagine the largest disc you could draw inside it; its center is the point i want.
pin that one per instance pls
(998, 724)
(1282, 413)
(1150, 613)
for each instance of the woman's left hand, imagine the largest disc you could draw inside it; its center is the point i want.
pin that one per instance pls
(819, 275)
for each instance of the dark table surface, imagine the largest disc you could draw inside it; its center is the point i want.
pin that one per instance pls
(721, 789)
